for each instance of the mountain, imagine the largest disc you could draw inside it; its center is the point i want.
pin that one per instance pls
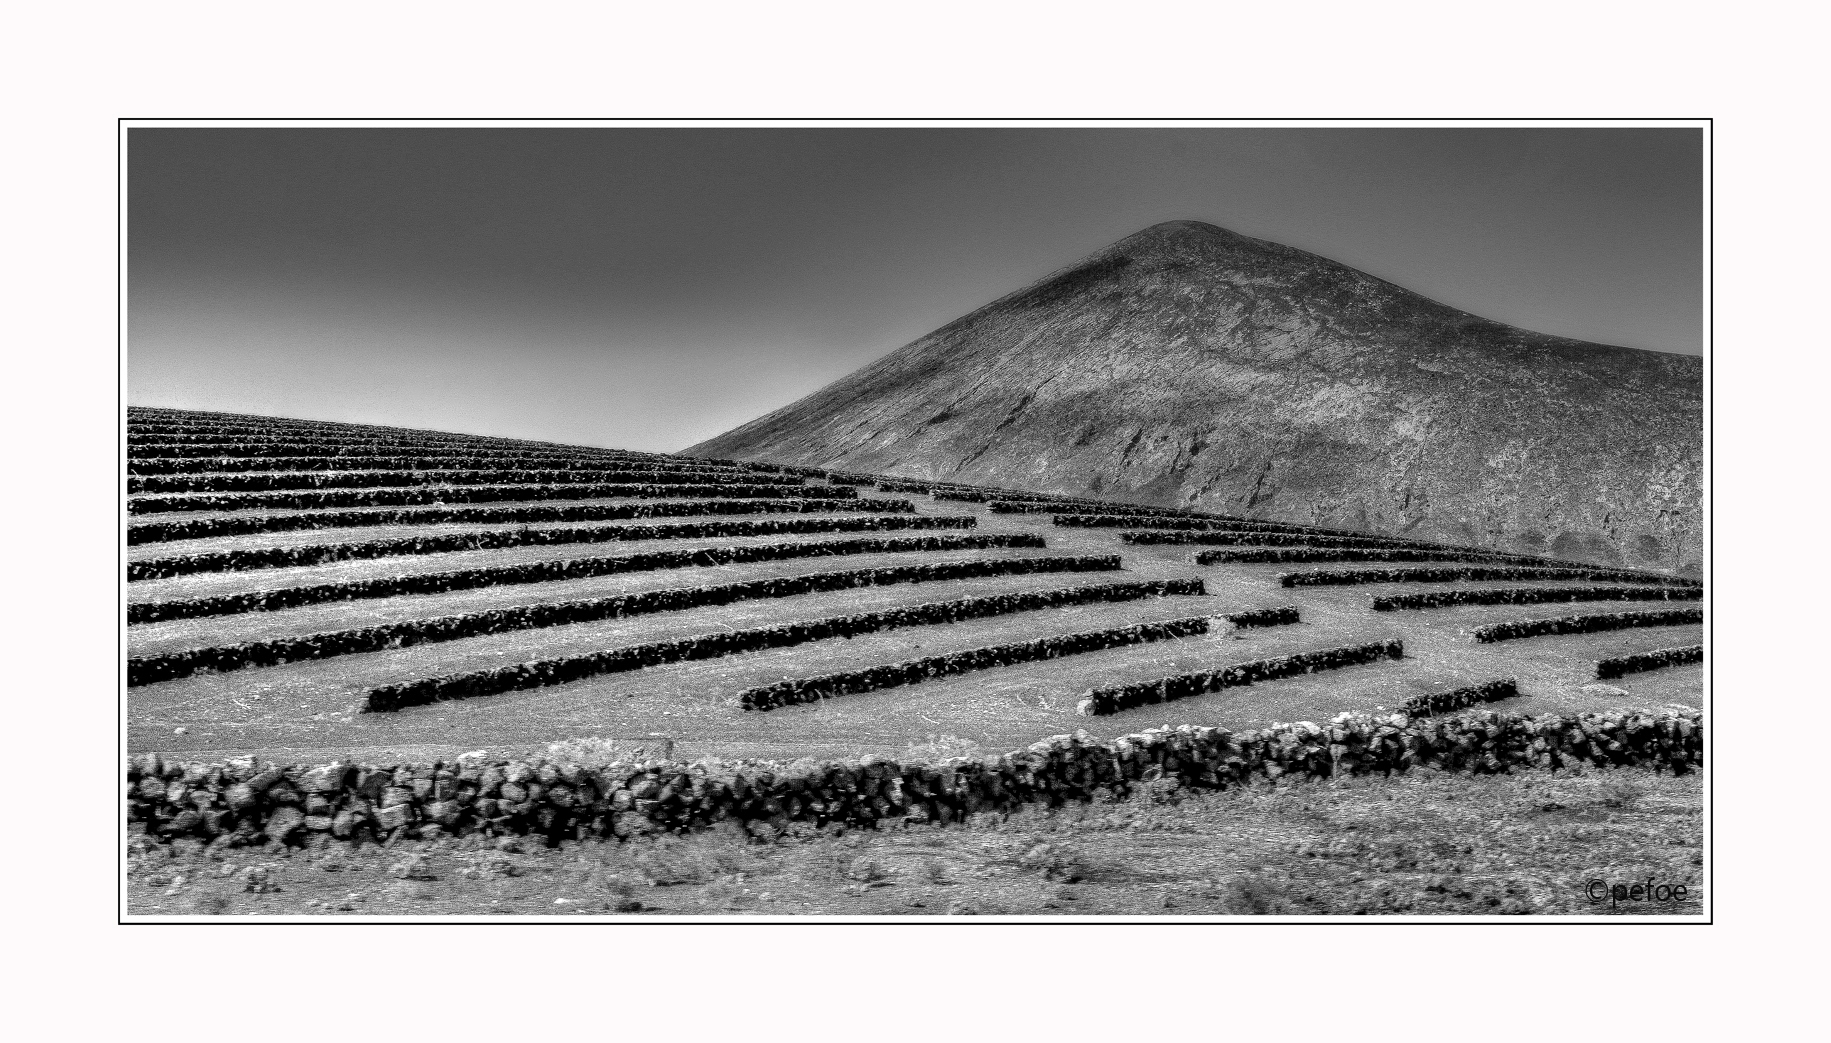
(1187, 365)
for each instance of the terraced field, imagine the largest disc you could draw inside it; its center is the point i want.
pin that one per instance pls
(313, 592)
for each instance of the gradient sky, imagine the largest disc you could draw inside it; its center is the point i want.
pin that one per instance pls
(650, 288)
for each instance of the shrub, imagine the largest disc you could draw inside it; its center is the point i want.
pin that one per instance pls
(1621, 793)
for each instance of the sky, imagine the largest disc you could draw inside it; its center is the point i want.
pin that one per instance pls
(649, 288)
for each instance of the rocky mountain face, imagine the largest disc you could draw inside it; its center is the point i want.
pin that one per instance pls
(1193, 367)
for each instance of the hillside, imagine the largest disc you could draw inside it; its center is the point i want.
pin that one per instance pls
(330, 590)
(348, 633)
(1191, 367)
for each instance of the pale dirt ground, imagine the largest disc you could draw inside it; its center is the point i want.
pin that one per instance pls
(307, 711)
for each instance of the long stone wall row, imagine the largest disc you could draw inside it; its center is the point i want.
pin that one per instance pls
(207, 528)
(1249, 537)
(257, 481)
(1099, 702)
(1180, 523)
(439, 495)
(1348, 577)
(400, 634)
(951, 664)
(1659, 658)
(567, 569)
(496, 539)
(1460, 698)
(1294, 555)
(255, 802)
(1598, 623)
(437, 459)
(1534, 596)
(542, 673)
(148, 449)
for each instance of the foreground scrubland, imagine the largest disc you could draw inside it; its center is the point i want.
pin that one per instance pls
(1427, 843)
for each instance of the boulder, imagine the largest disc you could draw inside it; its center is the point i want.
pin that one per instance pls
(283, 823)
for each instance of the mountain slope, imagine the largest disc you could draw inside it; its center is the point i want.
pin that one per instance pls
(1187, 365)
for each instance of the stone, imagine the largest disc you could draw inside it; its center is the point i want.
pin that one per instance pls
(394, 816)
(241, 797)
(327, 779)
(284, 822)
(371, 781)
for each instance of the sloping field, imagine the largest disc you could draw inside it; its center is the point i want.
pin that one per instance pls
(310, 592)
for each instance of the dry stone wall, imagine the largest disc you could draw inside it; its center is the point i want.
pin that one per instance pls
(167, 666)
(1100, 702)
(249, 801)
(1348, 577)
(496, 539)
(1621, 666)
(437, 495)
(571, 568)
(1460, 698)
(542, 673)
(1587, 624)
(488, 474)
(245, 525)
(1534, 596)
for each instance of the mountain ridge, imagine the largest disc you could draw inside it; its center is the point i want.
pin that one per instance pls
(1187, 365)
